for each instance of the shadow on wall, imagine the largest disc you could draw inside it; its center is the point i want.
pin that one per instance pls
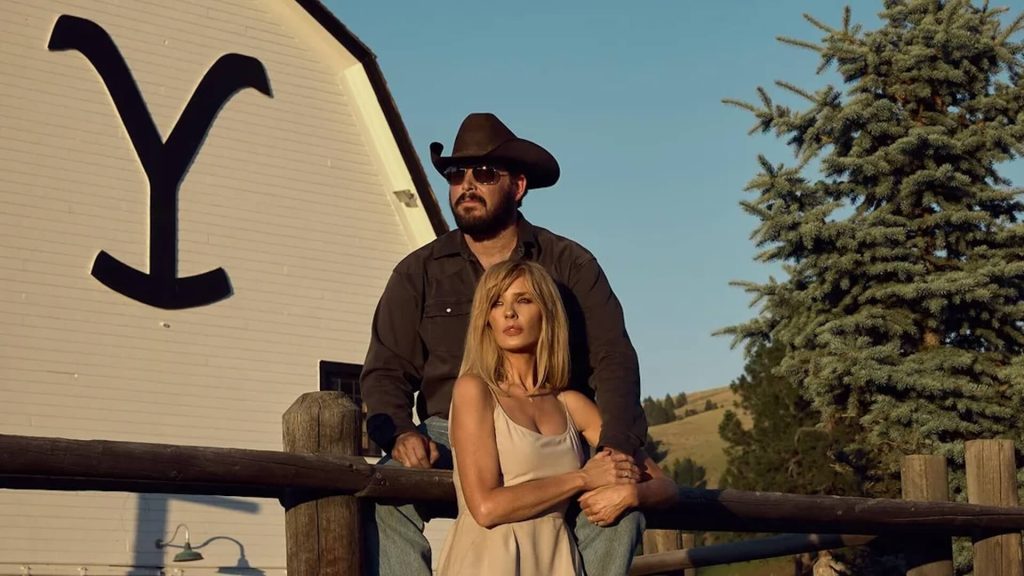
(152, 525)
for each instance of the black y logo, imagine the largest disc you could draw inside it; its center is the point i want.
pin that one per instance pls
(165, 163)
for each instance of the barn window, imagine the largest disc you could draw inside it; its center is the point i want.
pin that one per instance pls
(343, 377)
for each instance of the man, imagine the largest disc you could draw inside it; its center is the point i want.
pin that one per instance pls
(420, 325)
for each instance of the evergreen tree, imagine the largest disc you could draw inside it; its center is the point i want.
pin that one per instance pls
(783, 450)
(656, 412)
(653, 449)
(649, 412)
(687, 473)
(680, 400)
(670, 404)
(903, 306)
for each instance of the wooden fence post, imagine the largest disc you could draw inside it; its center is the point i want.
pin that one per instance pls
(991, 479)
(926, 478)
(322, 534)
(689, 542)
(657, 540)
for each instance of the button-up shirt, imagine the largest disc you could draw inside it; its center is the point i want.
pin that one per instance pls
(419, 332)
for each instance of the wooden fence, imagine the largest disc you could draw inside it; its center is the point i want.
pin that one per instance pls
(320, 482)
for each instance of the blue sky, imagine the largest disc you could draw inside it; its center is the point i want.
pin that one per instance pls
(627, 96)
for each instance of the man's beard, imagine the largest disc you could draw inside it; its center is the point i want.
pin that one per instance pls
(486, 224)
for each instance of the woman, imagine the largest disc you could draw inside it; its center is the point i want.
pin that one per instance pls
(515, 436)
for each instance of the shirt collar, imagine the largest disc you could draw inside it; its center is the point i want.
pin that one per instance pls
(448, 245)
(527, 247)
(453, 243)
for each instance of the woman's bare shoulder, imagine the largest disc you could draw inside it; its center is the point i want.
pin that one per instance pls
(582, 409)
(573, 398)
(470, 389)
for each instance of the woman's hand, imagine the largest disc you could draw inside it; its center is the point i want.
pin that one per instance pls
(607, 504)
(607, 468)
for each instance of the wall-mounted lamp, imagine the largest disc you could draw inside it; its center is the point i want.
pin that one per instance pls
(187, 554)
(241, 566)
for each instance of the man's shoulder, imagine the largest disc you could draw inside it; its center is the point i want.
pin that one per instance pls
(560, 247)
(415, 262)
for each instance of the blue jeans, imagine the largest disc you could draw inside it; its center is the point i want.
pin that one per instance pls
(396, 545)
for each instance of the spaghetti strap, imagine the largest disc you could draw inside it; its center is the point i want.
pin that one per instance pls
(568, 414)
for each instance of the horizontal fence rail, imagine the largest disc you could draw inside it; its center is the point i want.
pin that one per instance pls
(62, 464)
(33, 462)
(741, 511)
(772, 547)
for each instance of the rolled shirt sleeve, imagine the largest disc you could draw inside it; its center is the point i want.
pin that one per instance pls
(392, 371)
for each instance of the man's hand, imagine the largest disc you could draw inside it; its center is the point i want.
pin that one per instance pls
(607, 468)
(414, 450)
(637, 460)
(607, 504)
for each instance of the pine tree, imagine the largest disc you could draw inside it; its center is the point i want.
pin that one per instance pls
(653, 449)
(903, 303)
(783, 450)
(687, 473)
(656, 412)
(670, 405)
(680, 400)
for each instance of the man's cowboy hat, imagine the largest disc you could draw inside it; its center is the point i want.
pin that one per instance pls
(483, 138)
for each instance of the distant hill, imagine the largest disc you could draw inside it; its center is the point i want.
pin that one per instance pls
(696, 436)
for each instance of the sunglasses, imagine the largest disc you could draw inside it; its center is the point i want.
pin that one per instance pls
(481, 174)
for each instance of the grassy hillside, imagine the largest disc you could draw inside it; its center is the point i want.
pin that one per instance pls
(696, 436)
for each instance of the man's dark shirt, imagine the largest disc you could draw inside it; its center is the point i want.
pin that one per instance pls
(419, 332)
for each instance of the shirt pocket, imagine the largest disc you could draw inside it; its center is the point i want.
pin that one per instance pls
(444, 326)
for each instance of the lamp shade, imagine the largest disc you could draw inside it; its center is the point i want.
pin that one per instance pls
(187, 554)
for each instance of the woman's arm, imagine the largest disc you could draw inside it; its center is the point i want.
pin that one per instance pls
(472, 432)
(606, 505)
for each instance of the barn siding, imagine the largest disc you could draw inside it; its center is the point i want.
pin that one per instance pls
(291, 195)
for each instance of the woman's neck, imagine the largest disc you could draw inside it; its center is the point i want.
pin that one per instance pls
(521, 370)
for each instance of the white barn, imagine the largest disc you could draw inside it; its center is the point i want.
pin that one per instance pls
(180, 272)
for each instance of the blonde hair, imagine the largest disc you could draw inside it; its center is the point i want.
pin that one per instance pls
(482, 356)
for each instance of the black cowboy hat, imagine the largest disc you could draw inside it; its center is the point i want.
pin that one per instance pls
(483, 138)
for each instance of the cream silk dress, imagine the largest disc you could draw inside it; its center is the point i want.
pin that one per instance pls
(540, 546)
